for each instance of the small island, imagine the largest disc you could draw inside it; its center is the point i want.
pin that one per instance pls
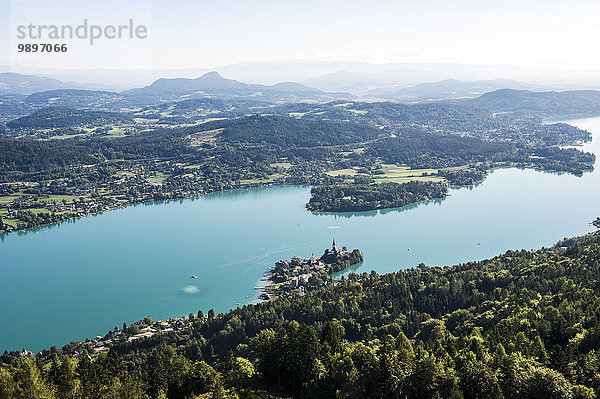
(299, 275)
(366, 197)
(597, 222)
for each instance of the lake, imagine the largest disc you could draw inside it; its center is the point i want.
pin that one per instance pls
(79, 279)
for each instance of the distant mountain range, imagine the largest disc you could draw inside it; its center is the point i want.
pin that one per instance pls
(302, 70)
(446, 90)
(362, 82)
(546, 104)
(19, 84)
(212, 84)
(21, 94)
(212, 93)
(14, 83)
(33, 91)
(333, 75)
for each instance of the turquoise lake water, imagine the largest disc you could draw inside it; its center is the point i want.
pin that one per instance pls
(79, 279)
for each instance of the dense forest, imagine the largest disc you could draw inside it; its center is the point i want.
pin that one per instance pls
(361, 197)
(414, 147)
(524, 324)
(463, 120)
(418, 149)
(11, 109)
(34, 155)
(458, 118)
(55, 117)
(88, 100)
(293, 138)
(291, 132)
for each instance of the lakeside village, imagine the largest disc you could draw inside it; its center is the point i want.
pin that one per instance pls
(288, 277)
(145, 328)
(31, 204)
(299, 275)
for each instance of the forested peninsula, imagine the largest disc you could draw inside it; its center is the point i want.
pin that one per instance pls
(300, 275)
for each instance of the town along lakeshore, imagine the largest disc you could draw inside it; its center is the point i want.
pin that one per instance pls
(299, 275)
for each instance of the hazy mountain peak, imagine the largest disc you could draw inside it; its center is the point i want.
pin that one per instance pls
(213, 75)
(13, 83)
(292, 86)
(213, 84)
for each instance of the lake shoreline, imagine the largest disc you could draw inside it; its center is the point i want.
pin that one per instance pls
(153, 251)
(3, 233)
(114, 205)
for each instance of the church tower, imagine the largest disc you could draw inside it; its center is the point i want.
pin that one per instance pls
(335, 249)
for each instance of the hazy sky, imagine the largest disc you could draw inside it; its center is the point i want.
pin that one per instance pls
(201, 33)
